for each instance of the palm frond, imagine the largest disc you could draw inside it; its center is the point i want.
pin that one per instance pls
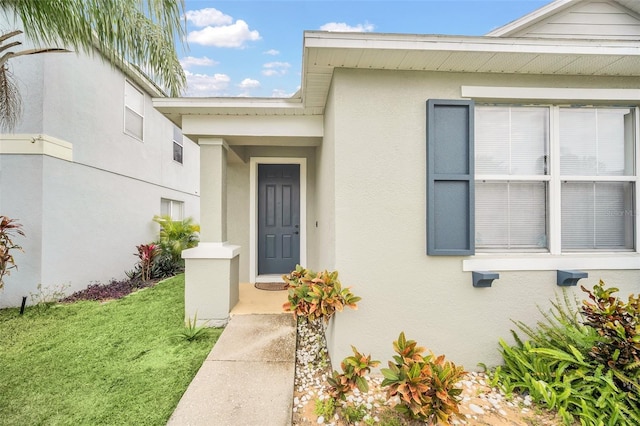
(143, 32)
(10, 100)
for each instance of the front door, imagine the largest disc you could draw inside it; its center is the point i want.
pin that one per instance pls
(278, 218)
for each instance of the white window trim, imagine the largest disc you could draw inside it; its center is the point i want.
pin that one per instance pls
(253, 206)
(555, 259)
(124, 117)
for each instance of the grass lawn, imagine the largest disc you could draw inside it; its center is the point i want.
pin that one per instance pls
(91, 363)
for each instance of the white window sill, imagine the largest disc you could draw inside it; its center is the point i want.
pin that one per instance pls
(548, 262)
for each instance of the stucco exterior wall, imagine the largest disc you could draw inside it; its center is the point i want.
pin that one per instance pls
(325, 209)
(23, 202)
(238, 200)
(83, 103)
(82, 224)
(83, 218)
(380, 226)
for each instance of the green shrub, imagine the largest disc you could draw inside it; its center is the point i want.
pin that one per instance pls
(176, 236)
(556, 368)
(426, 385)
(316, 295)
(163, 258)
(354, 370)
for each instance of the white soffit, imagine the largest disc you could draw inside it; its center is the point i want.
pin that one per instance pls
(325, 51)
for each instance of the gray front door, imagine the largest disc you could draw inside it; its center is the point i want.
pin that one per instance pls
(278, 218)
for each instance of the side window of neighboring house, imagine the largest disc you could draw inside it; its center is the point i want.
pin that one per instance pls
(178, 146)
(568, 187)
(172, 208)
(133, 111)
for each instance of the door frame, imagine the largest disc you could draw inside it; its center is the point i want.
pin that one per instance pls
(253, 209)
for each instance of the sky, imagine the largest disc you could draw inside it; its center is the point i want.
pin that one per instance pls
(253, 48)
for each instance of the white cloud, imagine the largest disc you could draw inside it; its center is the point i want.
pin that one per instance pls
(190, 61)
(234, 35)
(249, 83)
(343, 27)
(271, 69)
(209, 16)
(272, 52)
(206, 85)
(279, 93)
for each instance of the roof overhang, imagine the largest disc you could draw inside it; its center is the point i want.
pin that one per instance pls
(325, 51)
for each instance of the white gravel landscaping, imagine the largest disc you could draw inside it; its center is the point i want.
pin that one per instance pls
(480, 404)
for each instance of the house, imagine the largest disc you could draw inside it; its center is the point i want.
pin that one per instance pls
(456, 183)
(86, 170)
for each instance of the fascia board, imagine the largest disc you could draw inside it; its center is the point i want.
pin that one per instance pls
(471, 44)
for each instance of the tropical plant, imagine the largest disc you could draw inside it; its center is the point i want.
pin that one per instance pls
(354, 370)
(177, 235)
(618, 325)
(557, 368)
(316, 295)
(192, 331)
(9, 229)
(426, 385)
(140, 32)
(147, 254)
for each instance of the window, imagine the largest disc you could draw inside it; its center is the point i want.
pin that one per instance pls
(133, 111)
(580, 199)
(172, 208)
(177, 144)
(597, 173)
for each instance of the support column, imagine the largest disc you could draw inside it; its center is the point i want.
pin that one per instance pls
(212, 268)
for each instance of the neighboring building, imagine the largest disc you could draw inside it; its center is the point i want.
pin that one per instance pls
(86, 170)
(376, 177)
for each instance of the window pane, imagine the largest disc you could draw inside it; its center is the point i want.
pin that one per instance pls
(133, 98)
(597, 215)
(165, 207)
(596, 142)
(133, 123)
(177, 212)
(177, 153)
(511, 215)
(492, 140)
(177, 135)
(511, 140)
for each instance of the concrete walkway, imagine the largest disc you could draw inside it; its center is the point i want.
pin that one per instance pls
(247, 379)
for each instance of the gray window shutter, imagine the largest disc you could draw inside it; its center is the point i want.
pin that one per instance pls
(450, 178)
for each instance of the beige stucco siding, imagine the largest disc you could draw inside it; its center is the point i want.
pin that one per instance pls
(378, 120)
(325, 210)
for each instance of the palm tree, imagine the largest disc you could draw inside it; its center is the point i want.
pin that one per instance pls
(139, 32)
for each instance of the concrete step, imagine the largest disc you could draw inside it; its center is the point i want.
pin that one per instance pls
(248, 377)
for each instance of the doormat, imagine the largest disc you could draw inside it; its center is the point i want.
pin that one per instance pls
(271, 286)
